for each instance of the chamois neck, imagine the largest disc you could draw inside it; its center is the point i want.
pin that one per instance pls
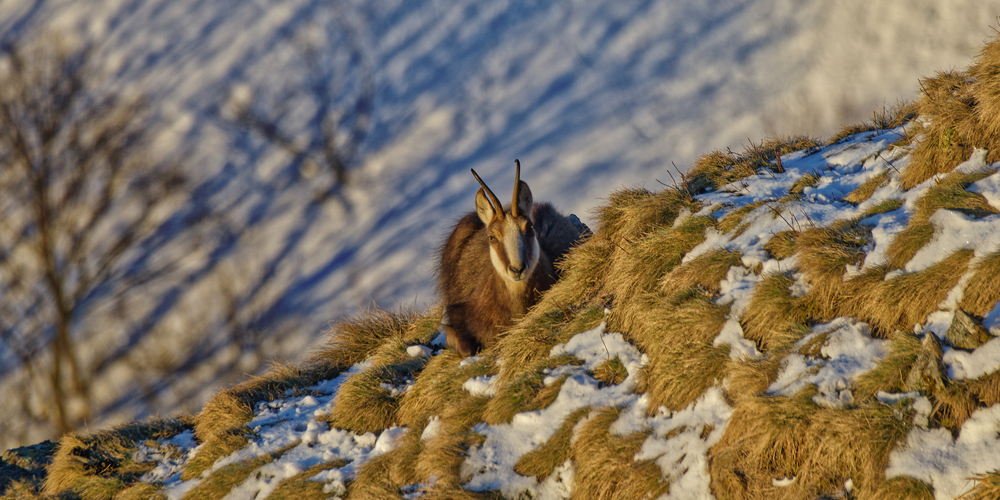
(518, 294)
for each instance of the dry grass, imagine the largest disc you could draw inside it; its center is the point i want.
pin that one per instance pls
(950, 193)
(868, 188)
(773, 313)
(299, 486)
(678, 338)
(101, 465)
(219, 484)
(898, 114)
(963, 111)
(733, 221)
(610, 372)
(525, 392)
(554, 452)
(904, 301)
(529, 342)
(605, 464)
(717, 169)
(987, 487)
(891, 374)
(220, 426)
(631, 214)
(703, 273)
(351, 341)
(641, 266)
(749, 378)
(776, 437)
(782, 245)
(982, 292)
(807, 180)
(364, 402)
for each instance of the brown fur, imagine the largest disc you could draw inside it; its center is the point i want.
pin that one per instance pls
(479, 303)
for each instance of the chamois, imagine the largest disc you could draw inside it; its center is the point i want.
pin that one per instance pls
(522, 242)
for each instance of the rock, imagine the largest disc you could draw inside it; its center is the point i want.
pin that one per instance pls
(965, 332)
(925, 375)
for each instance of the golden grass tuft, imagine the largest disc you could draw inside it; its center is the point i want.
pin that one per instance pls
(733, 221)
(775, 437)
(525, 392)
(351, 341)
(807, 180)
(439, 387)
(610, 372)
(906, 300)
(643, 265)
(703, 273)
(543, 461)
(963, 112)
(630, 214)
(717, 169)
(605, 465)
(890, 374)
(782, 245)
(982, 292)
(223, 480)
(529, 342)
(374, 479)
(220, 425)
(299, 486)
(365, 402)
(678, 339)
(868, 188)
(898, 114)
(771, 317)
(950, 194)
(747, 378)
(101, 465)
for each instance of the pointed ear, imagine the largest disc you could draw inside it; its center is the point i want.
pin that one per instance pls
(483, 207)
(524, 201)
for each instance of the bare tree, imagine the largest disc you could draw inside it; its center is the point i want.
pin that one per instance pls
(320, 114)
(79, 197)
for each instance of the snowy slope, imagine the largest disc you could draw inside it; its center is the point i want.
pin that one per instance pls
(679, 441)
(588, 95)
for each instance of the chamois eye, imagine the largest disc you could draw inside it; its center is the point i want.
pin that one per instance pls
(493, 239)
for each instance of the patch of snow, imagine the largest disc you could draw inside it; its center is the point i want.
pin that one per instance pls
(947, 464)
(419, 351)
(954, 231)
(848, 351)
(683, 456)
(481, 386)
(984, 360)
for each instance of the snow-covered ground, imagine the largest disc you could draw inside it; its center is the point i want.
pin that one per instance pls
(590, 96)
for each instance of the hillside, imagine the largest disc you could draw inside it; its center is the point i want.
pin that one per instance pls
(797, 320)
(591, 96)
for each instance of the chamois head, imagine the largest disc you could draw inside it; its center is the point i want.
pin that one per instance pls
(513, 245)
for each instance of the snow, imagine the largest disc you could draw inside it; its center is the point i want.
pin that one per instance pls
(933, 456)
(290, 422)
(848, 351)
(984, 360)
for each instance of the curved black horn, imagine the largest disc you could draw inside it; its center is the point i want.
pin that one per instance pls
(497, 207)
(517, 186)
